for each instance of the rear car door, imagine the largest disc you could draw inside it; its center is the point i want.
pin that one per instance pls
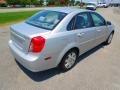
(84, 31)
(100, 26)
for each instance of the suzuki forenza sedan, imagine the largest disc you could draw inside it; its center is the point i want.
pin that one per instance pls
(57, 36)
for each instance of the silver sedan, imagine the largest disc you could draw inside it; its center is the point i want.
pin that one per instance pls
(56, 37)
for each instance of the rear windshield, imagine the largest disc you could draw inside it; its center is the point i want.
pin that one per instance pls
(46, 19)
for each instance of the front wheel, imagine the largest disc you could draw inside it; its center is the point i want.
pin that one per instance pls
(68, 60)
(108, 41)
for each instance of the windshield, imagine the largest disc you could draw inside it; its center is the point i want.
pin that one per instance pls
(46, 19)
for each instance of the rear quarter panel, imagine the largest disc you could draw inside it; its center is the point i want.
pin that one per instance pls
(58, 44)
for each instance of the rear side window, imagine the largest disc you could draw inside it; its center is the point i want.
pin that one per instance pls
(82, 21)
(98, 20)
(71, 24)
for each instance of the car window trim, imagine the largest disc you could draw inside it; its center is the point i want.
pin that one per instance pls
(74, 17)
(44, 27)
(98, 15)
(89, 16)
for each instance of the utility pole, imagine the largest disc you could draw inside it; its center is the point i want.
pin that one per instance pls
(81, 4)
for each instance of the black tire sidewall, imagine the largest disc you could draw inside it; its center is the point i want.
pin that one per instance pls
(62, 64)
(109, 37)
(106, 42)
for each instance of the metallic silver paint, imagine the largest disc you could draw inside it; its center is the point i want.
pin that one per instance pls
(58, 41)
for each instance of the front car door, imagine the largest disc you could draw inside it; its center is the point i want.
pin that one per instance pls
(100, 26)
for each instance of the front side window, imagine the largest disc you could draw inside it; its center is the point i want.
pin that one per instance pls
(98, 20)
(46, 19)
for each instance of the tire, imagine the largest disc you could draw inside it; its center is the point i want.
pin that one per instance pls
(109, 39)
(68, 60)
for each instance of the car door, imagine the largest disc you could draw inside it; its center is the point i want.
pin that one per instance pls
(84, 31)
(100, 26)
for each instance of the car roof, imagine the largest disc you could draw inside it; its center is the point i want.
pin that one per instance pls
(66, 9)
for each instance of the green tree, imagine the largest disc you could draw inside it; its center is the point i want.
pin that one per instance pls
(77, 3)
(25, 2)
(72, 2)
(41, 2)
(51, 2)
(64, 2)
(35, 2)
(13, 2)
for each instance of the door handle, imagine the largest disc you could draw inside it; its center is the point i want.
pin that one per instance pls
(80, 34)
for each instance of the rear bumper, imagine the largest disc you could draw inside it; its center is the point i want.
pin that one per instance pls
(34, 63)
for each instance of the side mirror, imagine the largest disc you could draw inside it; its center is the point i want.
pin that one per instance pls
(109, 23)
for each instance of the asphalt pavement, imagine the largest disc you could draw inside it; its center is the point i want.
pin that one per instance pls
(98, 69)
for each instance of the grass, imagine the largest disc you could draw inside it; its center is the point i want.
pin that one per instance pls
(10, 17)
(3, 7)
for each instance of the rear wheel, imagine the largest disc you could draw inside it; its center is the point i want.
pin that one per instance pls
(68, 60)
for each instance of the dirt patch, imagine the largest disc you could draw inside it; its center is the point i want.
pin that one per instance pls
(117, 10)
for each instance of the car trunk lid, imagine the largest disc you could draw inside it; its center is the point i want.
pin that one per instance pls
(21, 35)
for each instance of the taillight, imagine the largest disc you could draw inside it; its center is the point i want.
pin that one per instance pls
(37, 44)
